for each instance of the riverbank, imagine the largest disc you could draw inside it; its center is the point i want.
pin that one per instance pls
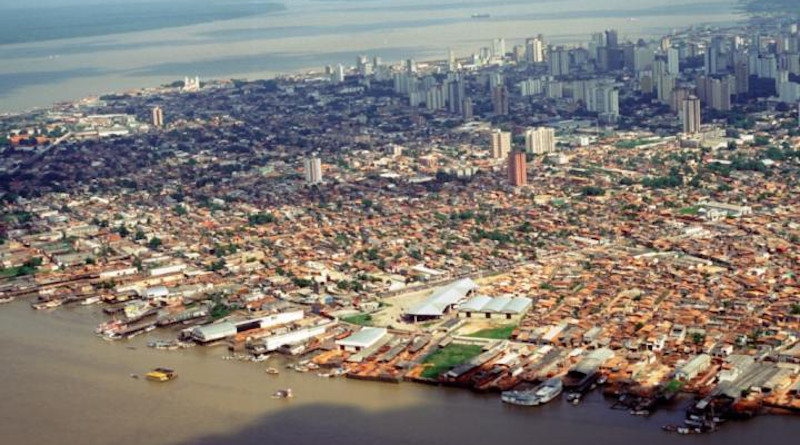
(63, 384)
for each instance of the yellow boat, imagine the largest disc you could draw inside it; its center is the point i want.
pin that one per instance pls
(161, 375)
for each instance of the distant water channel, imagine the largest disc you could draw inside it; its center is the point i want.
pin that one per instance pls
(165, 40)
(62, 385)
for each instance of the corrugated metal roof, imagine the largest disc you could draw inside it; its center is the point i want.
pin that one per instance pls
(497, 304)
(363, 338)
(518, 305)
(475, 304)
(436, 304)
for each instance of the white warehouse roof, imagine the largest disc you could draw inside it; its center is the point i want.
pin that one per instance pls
(364, 338)
(436, 304)
(499, 305)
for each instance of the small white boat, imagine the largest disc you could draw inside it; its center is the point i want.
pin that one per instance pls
(272, 371)
(6, 300)
(90, 301)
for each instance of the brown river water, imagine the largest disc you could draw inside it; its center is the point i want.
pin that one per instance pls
(63, 385)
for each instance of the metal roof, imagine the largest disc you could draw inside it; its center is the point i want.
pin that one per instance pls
(497, 304)
(475, 303)
(500, 305)
(517, 305)
(364, 338)
(437, 303)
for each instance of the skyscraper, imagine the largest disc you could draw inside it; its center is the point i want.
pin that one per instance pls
(501, 144)
(467, 111)
(559, 62)
(500, 100)
(673, 61)
(517, 170)
(158, 117)
(455, 96)
(499, 47)
(690, 115)
(604, 100)
(540, 140)
(534, 50)
(338, 74)
(612, 38)
(313, 170)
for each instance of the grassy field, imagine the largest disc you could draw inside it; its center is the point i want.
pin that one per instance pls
(360, 319)
(690, 210)
(500, 333)
(448, 357)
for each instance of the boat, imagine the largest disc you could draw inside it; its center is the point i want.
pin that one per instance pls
(481, 16)
(272, 371)
(49, 304)
(6, 300)
(90, 300)
(539, 395)
(260, 358)
(161, 375)
(549, 390)
(164, 345)
(110, 327)
(283, 394)
(574, 398)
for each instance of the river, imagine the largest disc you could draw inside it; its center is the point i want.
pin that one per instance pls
(63, 385)
(312, 33)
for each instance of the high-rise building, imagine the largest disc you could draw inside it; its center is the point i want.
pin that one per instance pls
(678, 96)
(517, 170)
(530, 87)
(451, 61)
(501, 144)
(643, 58)
(495, 80)
(411, 66)
(338, 74)
(158, 117)
(434, 98)
(742, 74)
(455, 96)
(559, 62)
(313, 170)
(466, 110)
(664, 83)
(540, 140)
(612, 38)
(499, 47)
(716, 93)
(673, 61)
(604, 100)
(500, 100)
(690, 115)
(534, 50)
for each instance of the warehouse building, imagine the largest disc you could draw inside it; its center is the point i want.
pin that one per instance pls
(362, 339)
(218, 331)
(693, 367)
(481, 306)
(441, 301)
